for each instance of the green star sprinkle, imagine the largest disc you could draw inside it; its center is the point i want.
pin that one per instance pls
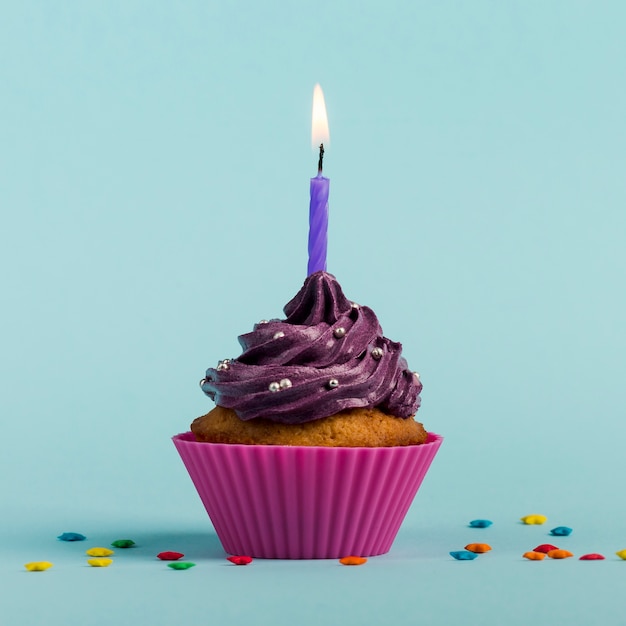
(181, 565)
(123, 543)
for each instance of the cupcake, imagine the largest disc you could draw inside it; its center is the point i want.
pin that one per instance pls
(312, 449)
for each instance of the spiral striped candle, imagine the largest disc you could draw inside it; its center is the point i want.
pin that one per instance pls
(318, 223)
(318, 207)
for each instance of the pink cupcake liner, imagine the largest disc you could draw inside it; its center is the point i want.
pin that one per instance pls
(298, 502)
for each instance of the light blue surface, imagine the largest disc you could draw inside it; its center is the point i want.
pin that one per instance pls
(154, 175)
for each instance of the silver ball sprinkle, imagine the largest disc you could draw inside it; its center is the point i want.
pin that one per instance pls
(333, 383)
(279, 335)
(354, 305)
(416, 375)
(377, 353)
(204, 380)
(339, 332)
(264, 322)
(223, 365)
(274, 387)
(285, 383)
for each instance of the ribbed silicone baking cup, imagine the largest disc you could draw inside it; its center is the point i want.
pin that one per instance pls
(298, 502)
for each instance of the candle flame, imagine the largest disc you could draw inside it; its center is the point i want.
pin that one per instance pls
(319, 126)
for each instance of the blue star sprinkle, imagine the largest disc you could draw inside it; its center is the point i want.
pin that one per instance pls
(561, 531)
(463, 555)
(72, 537)
(480, 523)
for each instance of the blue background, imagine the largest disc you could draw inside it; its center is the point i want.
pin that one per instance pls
(154, 168)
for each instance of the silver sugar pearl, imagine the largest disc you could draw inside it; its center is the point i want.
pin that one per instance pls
(279, 335)
(339, 332)
(223, 365)
(274, 387)
(416, 375)
(333, 383)
(285, 383)
(204, 380)
(354, 305)
(377, 353)
(264, 322)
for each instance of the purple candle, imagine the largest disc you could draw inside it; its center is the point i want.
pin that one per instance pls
(318, 207)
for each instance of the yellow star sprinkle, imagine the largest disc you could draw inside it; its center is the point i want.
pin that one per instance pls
(621, 554)
(100, 562)
(534, 519)
(99, 552)
(38, 566)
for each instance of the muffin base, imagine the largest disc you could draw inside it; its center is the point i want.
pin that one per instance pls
(352, 428)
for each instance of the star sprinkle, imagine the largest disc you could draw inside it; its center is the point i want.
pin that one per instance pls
(480, 523)
(534, 519)
(99, 552)
(170, 556)
(240, 560)
(478, 548)
(561, 531)
(38, 566)
(99, 562)
(123, 543)
(594, 556)
(353, 560)
(71, 537)
(534, 556)
(621, 554)
(181, 565)
(463, 555)
(545, 548)
(559, 554)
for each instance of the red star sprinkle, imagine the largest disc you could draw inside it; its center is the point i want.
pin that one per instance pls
(170, 556)
(545, 548)
(591, 557)
(240, 560)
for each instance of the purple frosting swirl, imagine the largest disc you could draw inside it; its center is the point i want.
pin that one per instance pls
(328, 355)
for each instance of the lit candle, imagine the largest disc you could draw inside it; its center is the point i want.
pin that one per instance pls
(318, 207)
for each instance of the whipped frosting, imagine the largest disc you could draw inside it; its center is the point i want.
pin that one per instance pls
(329, 354)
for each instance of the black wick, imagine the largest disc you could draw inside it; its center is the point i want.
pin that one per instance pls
(319, 163)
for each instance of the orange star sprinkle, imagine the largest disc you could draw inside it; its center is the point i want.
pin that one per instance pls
(559, 554)
(353, 560)
(478, 548)
(534, 556)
